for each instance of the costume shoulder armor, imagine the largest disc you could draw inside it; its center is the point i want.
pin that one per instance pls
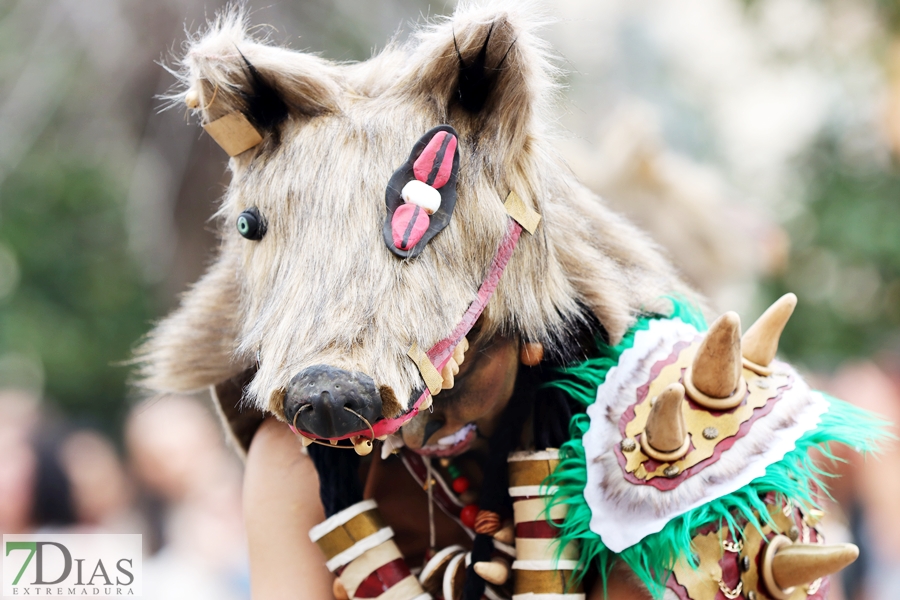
(693, 460)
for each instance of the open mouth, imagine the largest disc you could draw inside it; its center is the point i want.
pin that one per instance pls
(451, 445)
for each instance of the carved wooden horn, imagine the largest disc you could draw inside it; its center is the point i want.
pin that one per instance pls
(666, 430)
(787, 565)
(717, 366)
(760, 343)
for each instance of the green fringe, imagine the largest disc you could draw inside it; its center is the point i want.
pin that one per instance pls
(581, 381)
(796, 476)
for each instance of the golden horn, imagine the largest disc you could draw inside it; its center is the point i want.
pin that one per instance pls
(717, 366)
(493, 572)
(800, 564)
(760, 343)
(666, 430)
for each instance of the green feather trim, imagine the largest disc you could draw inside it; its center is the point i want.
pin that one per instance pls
(796, 476)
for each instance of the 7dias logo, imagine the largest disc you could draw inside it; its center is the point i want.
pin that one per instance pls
(92, 565)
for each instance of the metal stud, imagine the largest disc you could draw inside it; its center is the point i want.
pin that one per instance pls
(794, 533)
(745, 564)
(628, 445)
(671, 471)
(710, 433)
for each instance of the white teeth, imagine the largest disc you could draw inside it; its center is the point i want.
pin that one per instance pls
(392, 444)
(305, 440)
(421, 194)
(455, 438)
(426, 404)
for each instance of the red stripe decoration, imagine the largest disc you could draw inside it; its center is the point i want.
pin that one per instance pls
(538, 529)
(382, 579)
(435, 163)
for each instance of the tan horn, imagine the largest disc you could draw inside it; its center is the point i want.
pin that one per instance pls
(760, 343)
(716, 371)
(494, 571)
(666, 430)
(787, 565)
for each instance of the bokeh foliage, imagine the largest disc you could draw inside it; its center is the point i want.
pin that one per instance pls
(77, 303)
(845, 260)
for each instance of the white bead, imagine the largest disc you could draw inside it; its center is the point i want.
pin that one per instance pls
(421, 194)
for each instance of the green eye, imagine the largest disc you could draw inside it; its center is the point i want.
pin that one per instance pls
(250, 224)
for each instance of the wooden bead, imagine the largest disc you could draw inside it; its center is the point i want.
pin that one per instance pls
(192, 99)
(487, 522)
(531, 354)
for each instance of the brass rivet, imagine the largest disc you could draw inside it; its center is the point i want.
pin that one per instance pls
(710, 433)
(745, 563)
(763, 383)
(794, 533)
(628, 445)
(751, 595)
(671, 471)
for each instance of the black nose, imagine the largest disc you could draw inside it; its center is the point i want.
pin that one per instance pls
(331, 402)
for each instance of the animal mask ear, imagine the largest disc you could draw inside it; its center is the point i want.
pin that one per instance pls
(252, 85)
(488, 73)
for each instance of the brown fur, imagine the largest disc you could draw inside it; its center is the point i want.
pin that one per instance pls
(321, 287)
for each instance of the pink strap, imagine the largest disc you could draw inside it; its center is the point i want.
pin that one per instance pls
(440, 353)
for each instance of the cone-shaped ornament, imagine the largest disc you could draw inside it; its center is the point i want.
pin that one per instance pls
(717, 366)
(494, 572)
(666, 430)
(800, 564)
(760, 344)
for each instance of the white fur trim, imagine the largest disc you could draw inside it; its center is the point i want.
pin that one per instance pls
(624, 513)
(332, 522)
(545, 565)
(360, 548)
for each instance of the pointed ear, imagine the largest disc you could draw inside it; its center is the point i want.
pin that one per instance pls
(489, 71)
(194, 347)
(224, 71)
